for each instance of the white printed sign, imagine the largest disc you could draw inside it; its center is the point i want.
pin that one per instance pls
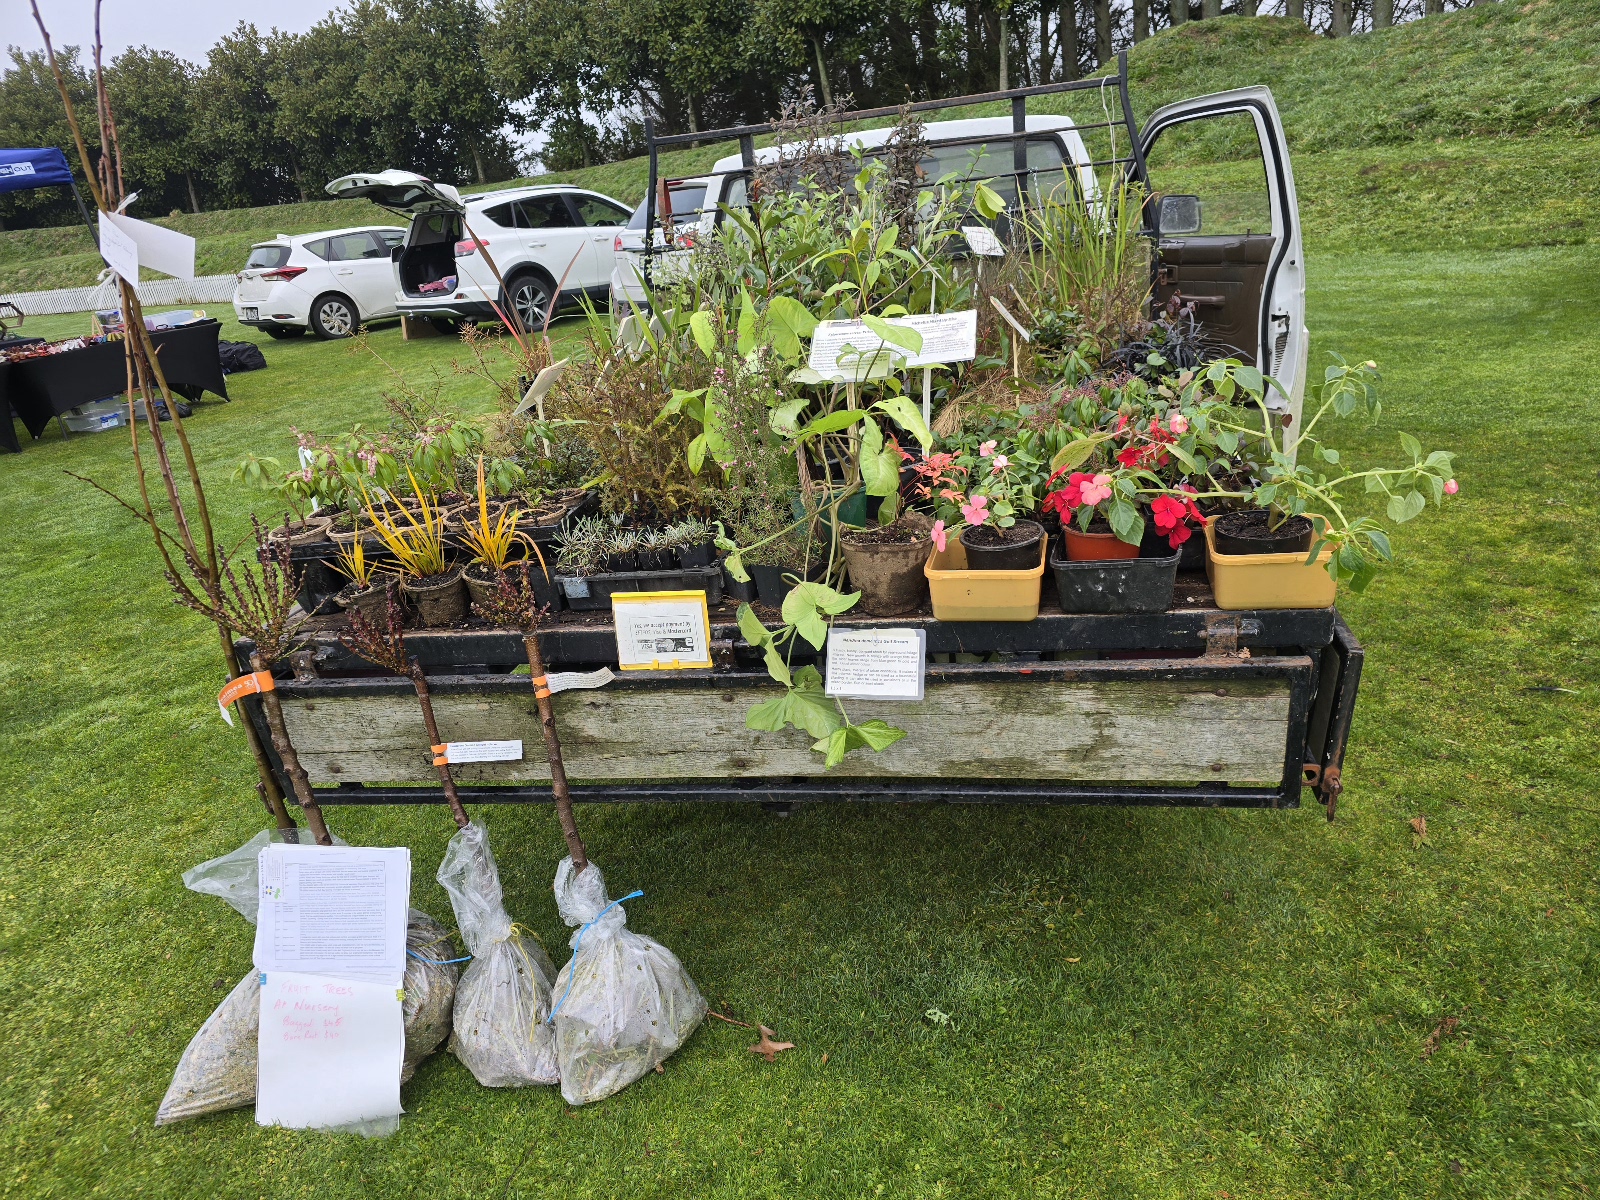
(566, 681)
(946, 338)
(877, 664)
(471, 752)
(661, 630)
(329, 1051)
(983, 241)
(334, 910)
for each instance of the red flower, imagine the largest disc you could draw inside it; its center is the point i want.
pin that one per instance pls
(1171, 517)
(1130, 456)
(1067, 499)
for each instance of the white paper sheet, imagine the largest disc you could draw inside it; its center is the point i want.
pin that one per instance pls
(119, 250)
(334, 910)
(330, 1051)
(877, 664)
(160, 249)
(946, 338)
(471, 752)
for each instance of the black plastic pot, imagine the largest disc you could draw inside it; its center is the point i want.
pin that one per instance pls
(1245, 532)
(1191, 554)
(592, 592)
(657, 560)
(1017, 555)
(1116, 585)
(702, 555)
(737, 591)
(771, 585)
(622, 562)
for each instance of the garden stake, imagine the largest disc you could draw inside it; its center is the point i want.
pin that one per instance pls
(386, 647)
(515, 606)
(105, 184)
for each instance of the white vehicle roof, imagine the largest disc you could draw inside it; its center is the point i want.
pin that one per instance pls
(939, 131)
(300, 239)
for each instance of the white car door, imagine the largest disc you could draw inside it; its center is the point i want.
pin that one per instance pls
(554, 239)
(1229, 230)
(364, 271)
(604, 219)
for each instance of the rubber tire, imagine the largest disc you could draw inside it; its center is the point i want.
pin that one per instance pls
(284, 334)
(334, 333)
(517, 286)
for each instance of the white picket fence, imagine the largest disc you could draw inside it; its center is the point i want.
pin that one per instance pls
(204, 289)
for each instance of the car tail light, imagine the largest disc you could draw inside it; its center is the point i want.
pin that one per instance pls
(617, 244)
(284, 274)
(469, 246)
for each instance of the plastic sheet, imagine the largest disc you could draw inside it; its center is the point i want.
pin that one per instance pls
(502, 1002)
(624, 1002)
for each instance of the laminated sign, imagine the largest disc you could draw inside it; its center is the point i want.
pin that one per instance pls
(662, 631)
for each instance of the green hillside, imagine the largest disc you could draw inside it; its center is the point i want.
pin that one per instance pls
(1476, 129)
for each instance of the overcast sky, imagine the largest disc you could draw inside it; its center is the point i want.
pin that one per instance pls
(188, 28)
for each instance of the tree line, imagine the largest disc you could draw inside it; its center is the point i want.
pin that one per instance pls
(452, 88)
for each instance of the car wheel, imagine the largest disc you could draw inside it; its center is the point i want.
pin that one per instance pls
(530, 296)
(334, 316)
(284, 332)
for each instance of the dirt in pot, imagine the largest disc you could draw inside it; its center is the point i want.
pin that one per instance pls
(1250, 531)
(903, 532)
(1019, 534)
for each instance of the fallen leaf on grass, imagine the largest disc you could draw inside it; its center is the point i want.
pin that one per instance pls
(824, 1061)
(1444, 1029)
(1456, 1168)
(767, 1048)
(1073, 960)
(1419, 832)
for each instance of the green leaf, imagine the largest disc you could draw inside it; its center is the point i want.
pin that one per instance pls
(1412, 446)
(896, 335)
(771, 715)
(988, 202)
(1249, 379)
(1125, 520)
(908, 415)
(733, 563)
(887, 239)
(880, 463)
(751, 628)
(1075, 454)
(789, 321)
(832, 422)
(880, 735)
(808, 377)
(877, 735)
(697, 453)
(776, 666)
(705, 334)
(889, 510)
(785, 418)
(747, 323)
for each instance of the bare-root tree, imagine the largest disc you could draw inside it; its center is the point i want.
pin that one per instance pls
(515, 605)
(384, 645)
(188, 548)
(811, 146)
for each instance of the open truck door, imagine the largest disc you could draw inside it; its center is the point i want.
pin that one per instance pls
(1228, 230)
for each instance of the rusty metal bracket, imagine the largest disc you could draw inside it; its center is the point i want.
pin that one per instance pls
(1329, 790)
(304, 663)
(1222, 634)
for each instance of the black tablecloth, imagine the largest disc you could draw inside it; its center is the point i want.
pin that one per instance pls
(37, 389)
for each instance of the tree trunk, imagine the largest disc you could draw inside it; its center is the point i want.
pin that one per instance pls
(1340, 26)
(477, 163)
(1069, 39)
(822, 73)
(1295, 10)
(1005, 44)
(291, 761)
(1432, 8)
(1045, 57)
(419, 681)
(1247, 8)
(1180, 11)
(928, 38)
(974, 47)
(194, 200)
(1210, 9)
(1141, 20)
(1102, 32)
(1382, 14)
(552, 749)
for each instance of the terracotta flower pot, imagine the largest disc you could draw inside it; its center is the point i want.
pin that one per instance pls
(440, 600)
(1089, 547)
(889, 574)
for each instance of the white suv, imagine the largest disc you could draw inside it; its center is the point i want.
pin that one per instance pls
(541, 239)
(331, 283)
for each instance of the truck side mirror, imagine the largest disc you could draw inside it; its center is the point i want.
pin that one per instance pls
(1180, 215)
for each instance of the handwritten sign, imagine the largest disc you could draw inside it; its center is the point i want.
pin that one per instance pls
(663, 631)
(329, 1051)
(946, 338)
(119, 250)
(877, 664)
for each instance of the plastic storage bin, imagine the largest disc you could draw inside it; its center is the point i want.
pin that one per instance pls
(962, 595)
(1116, 585)
(1246, 581)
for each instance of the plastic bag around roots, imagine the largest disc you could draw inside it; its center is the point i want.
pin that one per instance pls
(500, 1033)
(624, 1003)
(218, 1068)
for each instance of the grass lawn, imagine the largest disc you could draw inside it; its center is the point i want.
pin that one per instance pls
(1140, 1003)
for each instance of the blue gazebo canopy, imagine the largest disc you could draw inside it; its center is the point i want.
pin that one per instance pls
(22, 170)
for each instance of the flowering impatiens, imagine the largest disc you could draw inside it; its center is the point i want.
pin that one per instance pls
(976, 511)
(1172, 515)
(1451, 487)
(940, 535)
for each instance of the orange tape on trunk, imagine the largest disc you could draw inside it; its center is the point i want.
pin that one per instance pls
(441, 755)
(246, 685)
(541, 688)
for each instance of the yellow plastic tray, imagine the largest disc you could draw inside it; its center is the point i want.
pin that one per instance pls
(1246, 581)
(963, 595)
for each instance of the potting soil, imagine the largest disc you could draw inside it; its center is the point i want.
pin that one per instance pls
(501, 1033)
(624, 1002)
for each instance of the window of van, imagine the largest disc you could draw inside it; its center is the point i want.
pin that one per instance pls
(688, 201)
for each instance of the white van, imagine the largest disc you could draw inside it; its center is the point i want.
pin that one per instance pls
(1228, 237)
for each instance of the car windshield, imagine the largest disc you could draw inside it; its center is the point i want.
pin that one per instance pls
(688, 201)
(267, 257)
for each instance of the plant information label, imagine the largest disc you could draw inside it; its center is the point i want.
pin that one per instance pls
(946, 338)
(471, 752)
(662, 631)
(877, 664)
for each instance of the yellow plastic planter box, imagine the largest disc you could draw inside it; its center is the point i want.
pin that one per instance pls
(1247, 581)
(963, 595)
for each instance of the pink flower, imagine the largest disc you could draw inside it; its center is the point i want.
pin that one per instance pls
(1451, 487)
(1096, 490)
(987, 449)
(1178, 423)
(977, 512)
(939, 535)
(1001, 462)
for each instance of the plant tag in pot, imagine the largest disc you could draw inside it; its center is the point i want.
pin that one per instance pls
(877, 664)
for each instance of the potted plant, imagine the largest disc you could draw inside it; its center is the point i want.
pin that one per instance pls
(885, 560)
(656, 551)
(694, 541)
(622, 550)
(363, 593)
(416, 540)
(305, 527)
(490, 539)
(998, 589)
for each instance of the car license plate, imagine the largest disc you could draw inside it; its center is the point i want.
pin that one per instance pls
(252, 314)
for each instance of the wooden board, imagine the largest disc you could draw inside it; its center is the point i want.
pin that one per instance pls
(1137, 724)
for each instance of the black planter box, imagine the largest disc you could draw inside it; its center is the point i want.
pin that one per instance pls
(1115, 585)
(593, 592)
